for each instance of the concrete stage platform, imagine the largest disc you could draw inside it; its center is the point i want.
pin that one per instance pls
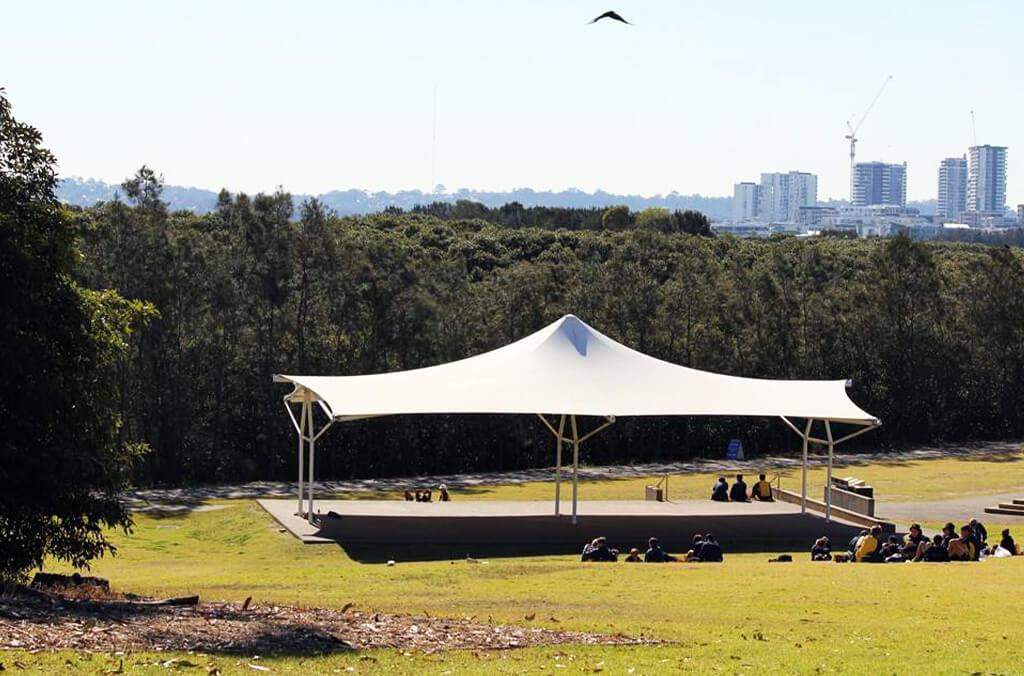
(532, 525)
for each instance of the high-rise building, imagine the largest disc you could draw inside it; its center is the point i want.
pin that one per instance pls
(1020, 215)
(780, 196)
(744, 202)
(952, 188)
(986, 179)
(878, 183)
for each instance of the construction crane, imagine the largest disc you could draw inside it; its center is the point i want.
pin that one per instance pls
(852, 136)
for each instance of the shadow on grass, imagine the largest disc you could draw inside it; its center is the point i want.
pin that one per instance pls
(474, 553)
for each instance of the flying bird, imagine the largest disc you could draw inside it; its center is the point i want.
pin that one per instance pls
(611, 15)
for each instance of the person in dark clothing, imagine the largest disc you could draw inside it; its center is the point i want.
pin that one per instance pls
(694, 553)
(599, 551)
(633, 556)
(913, 541)
(963, 548)
(443, 493)
(852, 546)
(655, 554)
(1007, 542)
(720, 491)
(892, 550)
(935, 552)
(408, 496)
(822, 550)
(738, 492)
(710, 550)
(980, 532)
(948, 534)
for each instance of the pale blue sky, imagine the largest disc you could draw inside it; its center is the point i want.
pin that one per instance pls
(698, 95)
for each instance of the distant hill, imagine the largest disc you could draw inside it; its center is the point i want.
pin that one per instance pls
(86, 192)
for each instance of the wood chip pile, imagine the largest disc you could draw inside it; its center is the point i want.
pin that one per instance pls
(31, 624)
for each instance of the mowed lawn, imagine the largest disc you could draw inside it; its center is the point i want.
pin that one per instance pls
(743, 616)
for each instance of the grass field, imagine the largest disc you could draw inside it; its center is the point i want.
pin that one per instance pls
(744, 616)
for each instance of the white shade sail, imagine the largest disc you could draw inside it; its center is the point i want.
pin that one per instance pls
(570, 368)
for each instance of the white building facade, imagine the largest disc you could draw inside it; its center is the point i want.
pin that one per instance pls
(952, 188)
(879, 184)
(744, 202)
(986, 179)
(781, 195)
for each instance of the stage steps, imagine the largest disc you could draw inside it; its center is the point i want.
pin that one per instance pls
(1014, 508)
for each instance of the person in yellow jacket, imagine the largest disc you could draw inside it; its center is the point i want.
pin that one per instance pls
(762, 490)
(868, 546)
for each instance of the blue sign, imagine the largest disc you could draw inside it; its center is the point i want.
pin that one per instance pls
(735, 450)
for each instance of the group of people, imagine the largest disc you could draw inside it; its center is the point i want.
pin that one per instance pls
(722, 492)
(705, 549)
(427, 495)
(971, 544)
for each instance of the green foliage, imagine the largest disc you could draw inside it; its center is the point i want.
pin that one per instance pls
(929, 333)
(62, 460)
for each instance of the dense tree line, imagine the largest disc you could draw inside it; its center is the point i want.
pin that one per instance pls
(930, 333)
(63, 460)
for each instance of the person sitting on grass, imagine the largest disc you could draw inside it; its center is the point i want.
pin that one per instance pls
(408, 495)
(948, 534)
(443, 493)
(869, 547)
(851, 549)
(633, 556)
(980, 532)
(720, 491)
(655, 554)
(738, 492)
(599, 551)
(698, 544)
(710, 551)
(762, 490)
(964, 547)
(892, 550)
(1007, 543)
(934, 552)
(913, 541)
(822, 549)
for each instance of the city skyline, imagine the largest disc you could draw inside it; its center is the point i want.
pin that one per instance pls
(321, 97)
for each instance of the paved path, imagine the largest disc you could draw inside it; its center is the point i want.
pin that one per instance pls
(164, 499)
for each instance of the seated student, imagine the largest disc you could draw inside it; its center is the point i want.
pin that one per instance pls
(738, 492)
(869, 547)
(980, 532)
(912, 542)
(1008, 544)
(600, 551)
(587, 549)
(892, 550)
(408, 496)
(710, 551)
(762, 490)
(964, 547)
(720, 491)
(655, 554)
(948, 534)
(822, 550)
(698, 544)
(442, 491)
(934, 552)
(851, 549)
(633, 556)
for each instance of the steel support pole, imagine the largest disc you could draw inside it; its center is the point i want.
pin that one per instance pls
(558, 465)
(312, 456)
(803, 481)
(828, 481)
(575, 465)
(302, 446)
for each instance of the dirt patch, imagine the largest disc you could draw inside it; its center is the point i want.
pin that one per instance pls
(265, 630)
